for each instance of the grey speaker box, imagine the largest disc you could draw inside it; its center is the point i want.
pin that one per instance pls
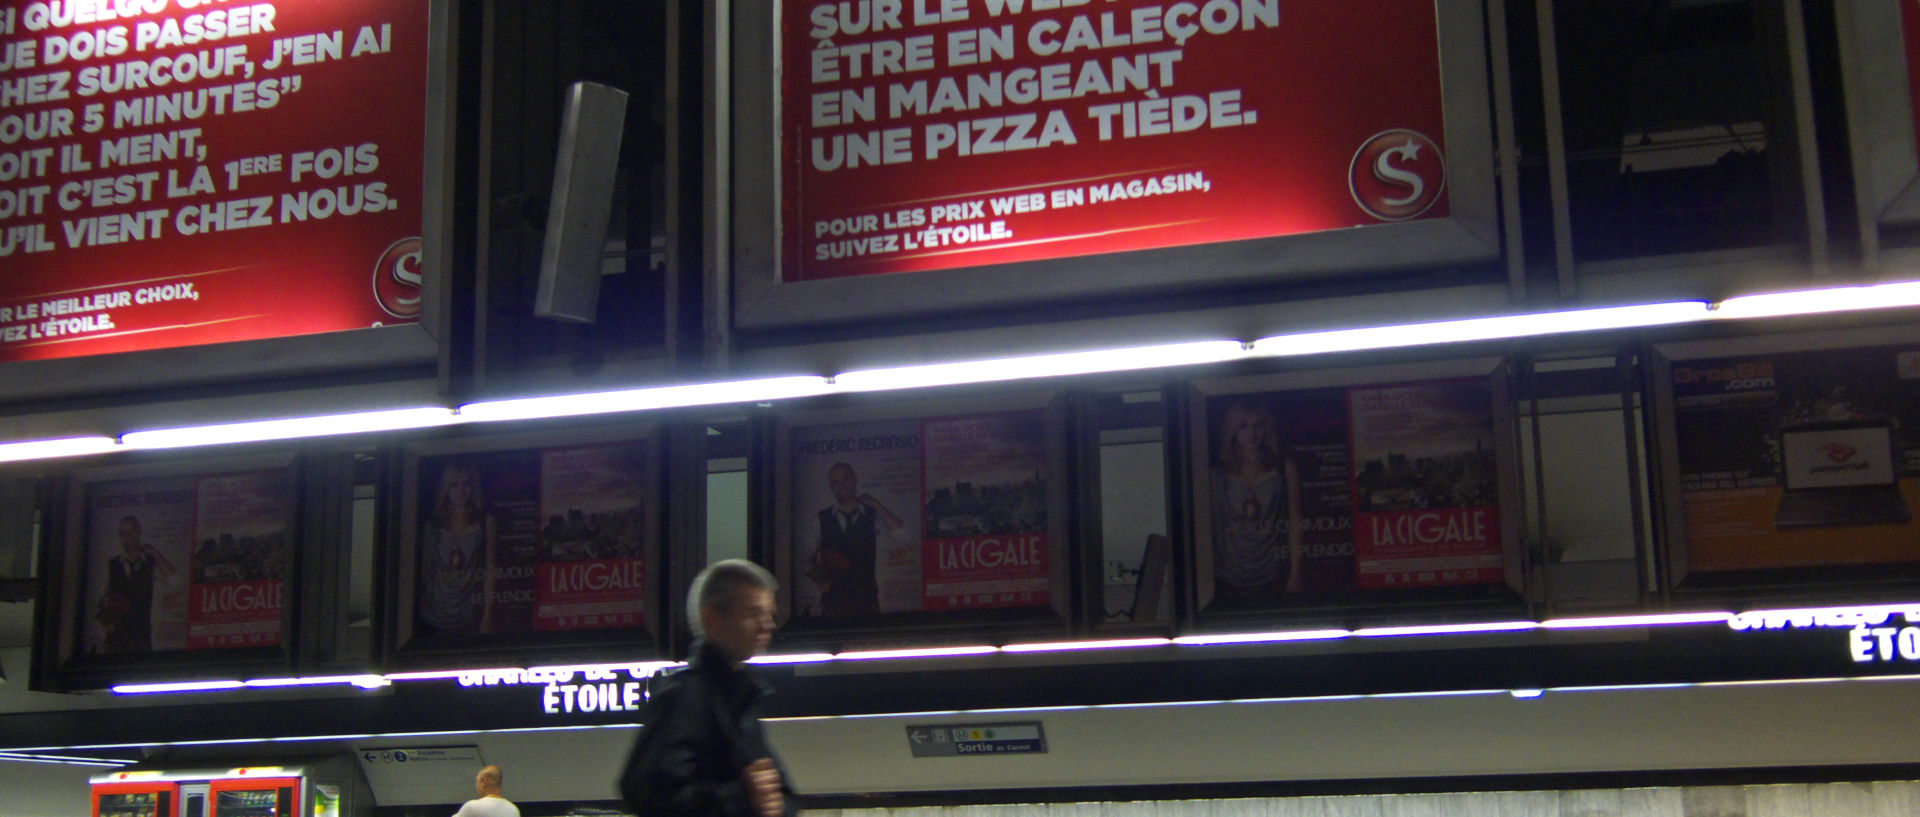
(582, 202)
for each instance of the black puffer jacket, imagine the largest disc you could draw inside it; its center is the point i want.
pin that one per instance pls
(700, 728)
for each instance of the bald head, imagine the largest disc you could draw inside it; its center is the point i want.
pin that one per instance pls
(487, 782)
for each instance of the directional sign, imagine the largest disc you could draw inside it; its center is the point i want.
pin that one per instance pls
(957, 739)
(435, 773)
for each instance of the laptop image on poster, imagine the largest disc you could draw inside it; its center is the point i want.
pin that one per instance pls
(1839, 473)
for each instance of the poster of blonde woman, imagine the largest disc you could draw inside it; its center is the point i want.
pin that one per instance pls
(1321, 495)
(555, 534)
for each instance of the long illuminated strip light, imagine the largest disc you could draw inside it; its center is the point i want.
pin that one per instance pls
(1808, 616)
(1262, 638)
(54, 449)
(658, 397)
(1516, 693)
(1448, 629)
(1837, 299)
(793, 658)
(1635, 621)
(1069, 646)
(12, 757)
(929, 652)
(1815, 301)
(293, 428)
(333, 737)
(362, 681)
(1445, 693)
(1054, 365)
(1472, 329)
(179, 686)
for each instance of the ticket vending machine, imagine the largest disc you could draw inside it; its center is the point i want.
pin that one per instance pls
(320, 787)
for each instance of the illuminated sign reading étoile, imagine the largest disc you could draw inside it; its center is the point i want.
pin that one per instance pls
(1872, 632)
(570, 690)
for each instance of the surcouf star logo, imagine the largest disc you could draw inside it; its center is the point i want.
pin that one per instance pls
(1397, 174)
(396, 278)
(1838, 451)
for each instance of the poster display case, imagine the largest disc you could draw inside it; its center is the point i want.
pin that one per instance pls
(533, 541)
(908, 520)
(177, 567)
(1390, 485)
(1790, 459)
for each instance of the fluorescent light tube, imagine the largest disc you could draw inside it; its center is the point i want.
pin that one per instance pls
(293, 428)
(798, 658)
(183, 686)
(1505, 326)
(659, 397)
(930, 652)
(1262, 638)
(1815, 301)
(1063, 646)
(51, 449)
(1055, 365)
(104, 764)
(1446, 629)
(1635, 621)
(362, 681)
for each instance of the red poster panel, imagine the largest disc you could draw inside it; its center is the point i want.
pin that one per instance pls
(176, 172)
(939, 134)
(239, 561)
(1426, 506)
(905, 515)
(985, 492)
(593, 575)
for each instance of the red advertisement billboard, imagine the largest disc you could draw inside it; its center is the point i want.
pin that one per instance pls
(913, 514)
(180, 172)
(939, 134)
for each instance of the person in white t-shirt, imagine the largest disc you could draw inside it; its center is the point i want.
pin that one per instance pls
(489, 803)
